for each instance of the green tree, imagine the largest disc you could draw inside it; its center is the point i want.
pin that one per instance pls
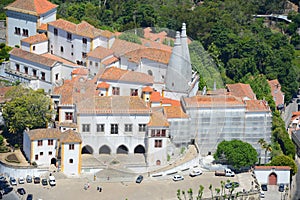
(130, 37)
(237, 153)
(283, 160)
(27, 108)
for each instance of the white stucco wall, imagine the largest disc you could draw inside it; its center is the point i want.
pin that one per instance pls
(44, 159)
(70, 168)
(283, 176)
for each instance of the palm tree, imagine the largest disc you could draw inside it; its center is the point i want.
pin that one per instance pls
(262, 143)
(268, 148)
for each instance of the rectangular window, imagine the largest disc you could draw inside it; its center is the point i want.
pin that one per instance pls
(152, 133)
(55, 31)
(41, 153)
(69, 36)
(85, 127)
(115, 91)
(91, 63)
(56, 77)
(142, 127)
(158, 143)
(163, 133)
(61, 49)
(26, 70)
(50, 153)
(71, 146)
(33, 48)
(40, 142)
(128, 127)
(43, 76)
(68, 116)
(25, 32)
(50, 142)
(17, 31)
(36, 157)
(114, 129)
(83, 54)
(34, 72)
(17, 67)
(84, 40)
(96, 64)
(133, 92)
(100, 127)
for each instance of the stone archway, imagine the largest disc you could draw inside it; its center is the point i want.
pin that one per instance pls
(53, 161)
(158, 162)
(122, 149)
(104, 150)
(139, 149)
(87, 149)
(273, 179)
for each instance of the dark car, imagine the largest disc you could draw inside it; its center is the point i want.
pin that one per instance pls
(281, 188)
(264, 187)
(44, 181)
(21, 191)
(37, 180)
(232, 185)
(29, 197)
(139, 179)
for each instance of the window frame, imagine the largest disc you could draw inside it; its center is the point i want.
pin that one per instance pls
(86, 128)
(128, 128)
(114, 129)
(100, 128)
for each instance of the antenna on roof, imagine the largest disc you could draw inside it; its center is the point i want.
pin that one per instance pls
(204, 90)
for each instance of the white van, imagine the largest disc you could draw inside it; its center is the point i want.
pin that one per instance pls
(52, 181)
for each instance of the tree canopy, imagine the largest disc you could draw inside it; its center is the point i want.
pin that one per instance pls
(283, 160)
(27, 109)
(236, 153)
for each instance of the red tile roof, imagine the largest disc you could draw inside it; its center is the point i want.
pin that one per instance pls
(117, 74)
(156, 55)
(172, 112)
(277, 94)
(33, 57)
(44, 133)
(155, 97)
(43, 27)
(272, 167)
(157, 119)
(241, 90)
(156, 45)
(32, 7)
(147, 89)
(121, 47)
(83, 29)
(170, 101)
(110, 61)
(100, 52)
(59, 59)
(103, 85)
(35, 39)
(80, 71)
(257, 105)
(213, 101)
(70, 136)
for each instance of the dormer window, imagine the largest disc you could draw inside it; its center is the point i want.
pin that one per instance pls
(69, 36)
(84, 40)
(55, 31)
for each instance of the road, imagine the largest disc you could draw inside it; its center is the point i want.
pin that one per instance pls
(150, 188)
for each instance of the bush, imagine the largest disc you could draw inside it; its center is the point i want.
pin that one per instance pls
(4, 149)
(1, 139)
(12, 158)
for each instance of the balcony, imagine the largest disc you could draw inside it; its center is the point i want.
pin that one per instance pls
(19, 74)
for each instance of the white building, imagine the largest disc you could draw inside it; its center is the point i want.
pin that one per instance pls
(48, 147)
(24, 18)
(273, 175)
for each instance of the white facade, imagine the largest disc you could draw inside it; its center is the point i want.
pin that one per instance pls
(281, 173)
(71, 158)
(38, 48)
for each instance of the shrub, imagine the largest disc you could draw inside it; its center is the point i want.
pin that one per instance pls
(12, 158)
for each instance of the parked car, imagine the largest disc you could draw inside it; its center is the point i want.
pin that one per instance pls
(29, 197)
(264, 187)
(21, 180)
(52, 181)
(232, 185)
(2, 178)
(21, 191)
(44, 181)
(178, 178)
(12, 181)
(29, 179)
(281, 187)
(37, 180)
(195, 172)
(139, 179)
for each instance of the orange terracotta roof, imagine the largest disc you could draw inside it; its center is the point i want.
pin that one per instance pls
(170, 101)
(277, 94)
(68, 124)
(156, 55)
(33, 57)
(241, 90)
(221, 91)
(83, 29)
(103, 85)
(174, 112)
(32, 7)
(213, 101)
(272, 167)
(296, 113)
(155, 45)
(112, 104)
(43, 27)
(59, 59)
(70, 136)
(80, 71)
(155, 97)
(121, 47)
(256, 105)
(147, 89)
(44, 133)
(35, 39)
(110, 61)
(100, 52)
(157, 119)
(117, 74)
